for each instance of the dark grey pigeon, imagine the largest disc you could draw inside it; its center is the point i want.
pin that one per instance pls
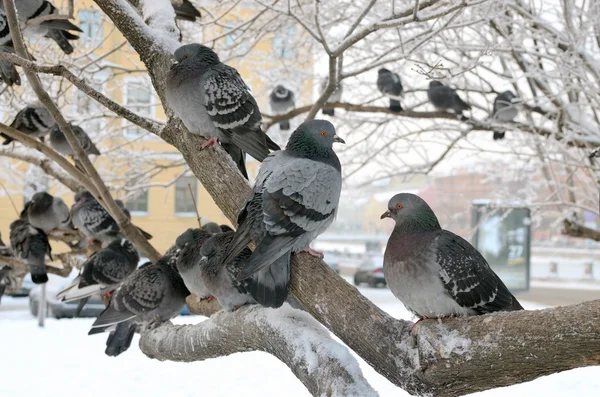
(48, 213)
(335, 97)
(59, 142)
(31, 246)
(282, 101)
(211, 227)
(220, 278)
(505, 110)
(152, 294)
(8, 72)
(444, 98)
(94, 221)
(121, 205)
(34, 120)
(434, 272)
(294, 199)
(190, 243)
(226, 228)
(389, 84)
(212, 100)
(102, 273)
(55, 29)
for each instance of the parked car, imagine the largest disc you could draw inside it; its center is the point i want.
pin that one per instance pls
(370, 272)
(23, 291)
(58, 309)
(333, 261)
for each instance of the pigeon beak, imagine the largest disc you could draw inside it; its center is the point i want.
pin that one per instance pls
(338, 139)
(516, 100)
(386, 214)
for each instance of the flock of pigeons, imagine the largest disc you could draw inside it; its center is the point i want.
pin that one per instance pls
(295, 197)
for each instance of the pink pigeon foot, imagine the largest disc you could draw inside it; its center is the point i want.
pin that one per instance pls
(210, 141)
(313, 252)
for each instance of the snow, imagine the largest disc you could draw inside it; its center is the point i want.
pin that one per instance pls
(61, 360)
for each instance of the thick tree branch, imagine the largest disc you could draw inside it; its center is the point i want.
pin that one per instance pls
(574, 229)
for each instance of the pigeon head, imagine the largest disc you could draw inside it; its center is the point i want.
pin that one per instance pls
(383, 71)
(435, 83)
(82, 197)
(280, 91)
(191, 236)
(196, 54)
(211, 227)
(41, 200)
(313, 139)
(226, 228)
(411, 213)
(510, 97)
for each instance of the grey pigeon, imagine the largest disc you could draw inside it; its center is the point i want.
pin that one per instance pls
(56, 29)
(190, 243)
(102, 273)
(5, 271)
(226, 228)
(220, 278)
(184, 9)
(34, 120)
(47, 213)
(389, 84)
(4, 249)
(121, 205)
(152, 294)
(294, 199)
(212, 99)
(434, 272)
(94, 221)
(211, 227)
(59, 142)
(335, 97)
(8, 72)
(31, 246)
(282, 101)
(443, 98)
(505, 110)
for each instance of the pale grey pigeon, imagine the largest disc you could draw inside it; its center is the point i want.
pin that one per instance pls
(102, 273)
(505, 110)
(33, 120)
(212, 100)
(94, 221)
(282, 101)
(190, 243)
(59, 142)
(336, 96)
(434, 272)
(47, 213)
(219, 278)
(8, 72)
(55, 29)
(443, 98)
(294, 199)
(389, 84)
(31, 246)
(152, 294)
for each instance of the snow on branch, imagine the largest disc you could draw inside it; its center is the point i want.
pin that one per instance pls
(323, 365)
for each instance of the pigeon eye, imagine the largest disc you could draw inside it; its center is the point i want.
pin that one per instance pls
(398, 206)
(186, 56)
(323, 133)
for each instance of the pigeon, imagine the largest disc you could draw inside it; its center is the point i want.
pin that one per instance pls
(5, 271)
(226, 228)
(94, 221)
(219, 278)
(434, 272)
(190, 243)
(34, 120)
(47, 213)
(61, 145)
(184, 9)
(121, 205)
(282, 101)
(389, 84)
(55, 29)
(212, 99)
(152, 294)
(4, 249)
(505, 110)
(31, 246)
(102, 273)
(8, 72)
(212, 227)
(443, 98)
(336, 96)
(294, 199)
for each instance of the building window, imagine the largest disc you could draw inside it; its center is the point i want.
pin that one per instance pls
(90, 22)
(282, 45)
(86, 106)
(184, 205)
(138, 100)
(138, 205)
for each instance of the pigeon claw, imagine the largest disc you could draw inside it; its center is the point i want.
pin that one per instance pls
(210, 142)
(410, 332)
(313, 252)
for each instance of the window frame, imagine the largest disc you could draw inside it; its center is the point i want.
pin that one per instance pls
(186, 214)
(127, 133)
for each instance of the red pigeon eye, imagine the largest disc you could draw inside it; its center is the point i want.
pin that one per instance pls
(323, 133)
(399, 206)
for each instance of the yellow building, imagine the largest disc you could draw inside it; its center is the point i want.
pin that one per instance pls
(146, 172)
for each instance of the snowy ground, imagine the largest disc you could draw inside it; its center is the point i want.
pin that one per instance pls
(60, 360)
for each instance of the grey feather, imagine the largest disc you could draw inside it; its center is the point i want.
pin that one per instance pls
(31, 246)
(59, 142)
(445, 98)
(34, 120)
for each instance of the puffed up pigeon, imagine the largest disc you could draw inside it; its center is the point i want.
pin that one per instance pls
(434, 272)
(47, 213)
(294, 199)
(59, 142)
(505, 110)
(282, 101)
(443, 98)
(31, 246)
(190, 243)
(336, 96)
(389, 84)
(34, 120)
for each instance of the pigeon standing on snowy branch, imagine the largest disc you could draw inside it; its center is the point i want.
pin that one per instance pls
(190, 243)
(59, 142)
(294, 199)
(389, 84)
(212, 100)
(48, 213)
(505, 110)
(336, 96)
(443, 98)
(34, 121)
(31, 246)
(282, 101)
(434, 272)
(8, 72)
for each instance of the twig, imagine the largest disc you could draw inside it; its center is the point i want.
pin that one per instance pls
(10, 198)
(195, 205)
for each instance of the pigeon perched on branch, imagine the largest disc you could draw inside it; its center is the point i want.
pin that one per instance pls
(282, 101)
(190, 244)
(434, 272)
(336, 96)
(47, 213)
(212, 100)
(443, 98)
(59, 142)
(33, 120)
(8, 72)
(505, 110)
(389, 84)
(31, 246)
(294, 199)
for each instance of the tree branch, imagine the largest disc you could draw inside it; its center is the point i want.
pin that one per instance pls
(574, 229)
